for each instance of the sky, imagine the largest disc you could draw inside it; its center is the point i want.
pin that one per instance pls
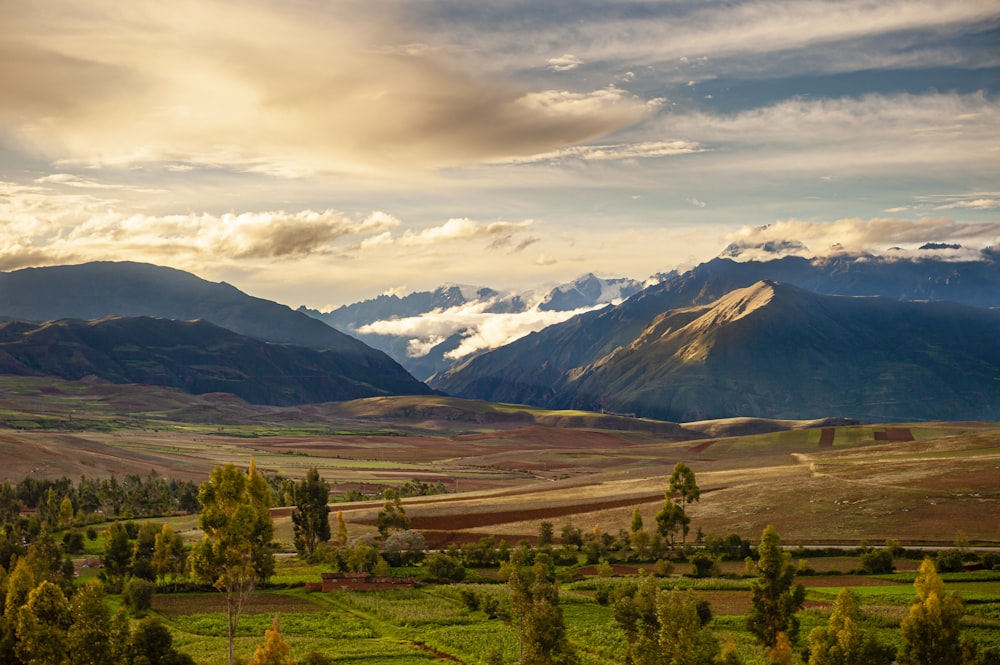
(322, 152)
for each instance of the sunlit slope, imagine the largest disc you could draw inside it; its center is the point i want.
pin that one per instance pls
(776, 351)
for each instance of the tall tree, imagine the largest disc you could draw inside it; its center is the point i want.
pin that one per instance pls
(534, 598)
(311, 516)
(774, 598)
(684, 485)
(91, 638)
(169, 556)
(236, 519)
(42, 625)
(341, 529)
(117, 556)
(931, 631)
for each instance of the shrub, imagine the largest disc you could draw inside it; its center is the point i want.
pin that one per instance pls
(877, 562)
(315, 658)
(444, 568)
(138, 596)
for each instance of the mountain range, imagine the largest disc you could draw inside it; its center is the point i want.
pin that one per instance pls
(427, 331)
(864, 337)
(605, 358)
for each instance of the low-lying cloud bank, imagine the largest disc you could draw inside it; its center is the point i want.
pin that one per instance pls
(481, 329)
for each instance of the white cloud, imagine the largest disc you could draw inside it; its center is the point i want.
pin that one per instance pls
(869, 235)
(564, 63)
(461, 229)
(613, 152)
(481, 329)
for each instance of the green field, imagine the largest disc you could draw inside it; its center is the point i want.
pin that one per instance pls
(428, 623)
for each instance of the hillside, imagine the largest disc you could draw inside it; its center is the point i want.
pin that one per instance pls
(587, 338)
(775, 351)
(195, 356)
(125, 289)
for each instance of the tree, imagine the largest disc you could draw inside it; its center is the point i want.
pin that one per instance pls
(404, 548)
(169, 555)
(274, 651)
(931, 631)
(137, 596)
(663, 627)
(444, 568)
(545, 533)
(534, 599)
(90, 639)
(151, 644)
(42, 625)
(634, 610)
(773, 598)
(636, 520)
(341, 529)
(877, 562)
(311, 516)
(683, 639)
(683, 484)
(117, 556)
(671, 519)
(238, 529)
(843, 642)
(392, 515)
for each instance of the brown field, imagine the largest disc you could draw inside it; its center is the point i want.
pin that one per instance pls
(174, 605)
(509, 467)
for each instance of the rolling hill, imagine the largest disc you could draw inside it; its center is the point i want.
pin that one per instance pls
(125, 289)
(194, 356)
(770, 350)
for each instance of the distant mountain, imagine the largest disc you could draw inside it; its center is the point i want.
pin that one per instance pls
(425, 331)
(124, 289)
(534, 369)
(195, 356)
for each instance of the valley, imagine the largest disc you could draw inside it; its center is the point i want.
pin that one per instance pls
(505, 467)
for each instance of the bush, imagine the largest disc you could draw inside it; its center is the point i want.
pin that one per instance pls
(444, 568)
(949, 561)
(72, 542)
(705, 565)
(138, 596)
(315, 658)
(877, 562)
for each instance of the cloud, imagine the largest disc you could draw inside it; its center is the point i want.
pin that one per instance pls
(613, 152)
(481, 329)
(564, 63)
(499, 234)
(972, 201)
(950, 133)
(198, 82)
(868, 235)
(42, 225)
(749, 36)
